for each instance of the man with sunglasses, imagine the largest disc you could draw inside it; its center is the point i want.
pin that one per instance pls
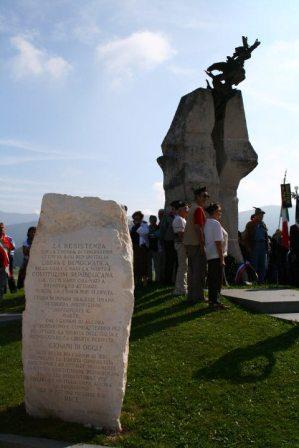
(195, 246)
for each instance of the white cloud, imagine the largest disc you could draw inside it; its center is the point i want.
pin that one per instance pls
(183, 71)
(12, 143)
(32, 61)
(57, 67)
(143, 50)
(82, 27)
(26, 152)
(159, 190)
(86, 32)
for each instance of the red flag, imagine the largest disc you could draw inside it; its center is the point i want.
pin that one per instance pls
(285, 227)
(4, 260)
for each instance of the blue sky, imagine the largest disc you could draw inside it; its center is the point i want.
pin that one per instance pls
(89, 89)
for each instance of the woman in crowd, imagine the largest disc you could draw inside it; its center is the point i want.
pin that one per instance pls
(178, 225)
(9, 245)
(139, 235)
(26, 252)
(4, 264)
(153, 253)
(278, 260)
(216, 242)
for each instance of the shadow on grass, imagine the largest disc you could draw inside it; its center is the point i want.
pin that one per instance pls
(252, 363)
(153, 301)
(143, 295)
(10, 332)
(8, 304)
(144, 318)
(15, 420)
(148, 323)
(142, 331)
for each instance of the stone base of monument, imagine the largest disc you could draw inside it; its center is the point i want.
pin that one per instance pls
(13, 441)
(280, 303)
(79, 304)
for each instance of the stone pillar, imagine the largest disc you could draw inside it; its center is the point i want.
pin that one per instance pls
(79, 303)
(236, 159)
(201, 149)
(189, 157)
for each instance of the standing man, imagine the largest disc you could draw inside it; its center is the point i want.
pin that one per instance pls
(195, 246)
(178, 225)
(167, 237)
(256, 241)
(294, 255)
(161, 250)
(153, 246)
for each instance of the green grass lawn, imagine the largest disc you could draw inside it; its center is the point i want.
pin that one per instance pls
(196, 379)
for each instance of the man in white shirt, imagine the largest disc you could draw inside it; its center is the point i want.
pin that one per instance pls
(216, 241)
(178, 225)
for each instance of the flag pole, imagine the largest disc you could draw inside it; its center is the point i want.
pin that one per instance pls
(284, 181)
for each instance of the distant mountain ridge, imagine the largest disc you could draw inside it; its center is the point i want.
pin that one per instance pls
(17, 224)
(19, 231)
(17, 218)
(271, 217)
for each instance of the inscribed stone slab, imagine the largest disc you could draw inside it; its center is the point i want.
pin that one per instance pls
(79, 303)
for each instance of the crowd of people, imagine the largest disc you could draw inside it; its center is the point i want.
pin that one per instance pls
(7, 253)
(187, 246)
(273, 259)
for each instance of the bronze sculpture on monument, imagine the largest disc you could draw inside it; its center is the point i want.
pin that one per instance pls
(208, 144)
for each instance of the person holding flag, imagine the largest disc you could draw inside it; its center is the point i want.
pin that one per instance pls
(286, 203)
(294, 245)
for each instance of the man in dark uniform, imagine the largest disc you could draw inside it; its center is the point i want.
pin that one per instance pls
(294, 254)
(256, 242)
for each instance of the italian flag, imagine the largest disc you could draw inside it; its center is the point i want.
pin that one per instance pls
(285, 227)
(4, 260)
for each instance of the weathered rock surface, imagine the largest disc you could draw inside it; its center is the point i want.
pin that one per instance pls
(189, 157)
(79, 303)
(237, 158)
(201, 150)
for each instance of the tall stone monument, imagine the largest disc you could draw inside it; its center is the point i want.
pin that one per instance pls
(208, 143)
(79, 303)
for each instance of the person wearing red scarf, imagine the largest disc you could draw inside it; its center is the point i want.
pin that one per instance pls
(5, 239)
(8, 244)
(4, 265)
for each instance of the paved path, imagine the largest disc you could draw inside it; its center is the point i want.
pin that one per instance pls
(281, 303)
(13, 441)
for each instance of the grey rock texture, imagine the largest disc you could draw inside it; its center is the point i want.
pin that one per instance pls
(14, 441)
(189, 157)
(79, 303)
(271, 301)
(200, 149)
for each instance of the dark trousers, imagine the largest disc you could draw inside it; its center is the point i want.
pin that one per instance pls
(258, 259)
(197, 269)
(3, 282)
(170, 261)
(215, 277)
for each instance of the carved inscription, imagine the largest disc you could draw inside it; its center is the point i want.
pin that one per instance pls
(79, 303)
(73, 281)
